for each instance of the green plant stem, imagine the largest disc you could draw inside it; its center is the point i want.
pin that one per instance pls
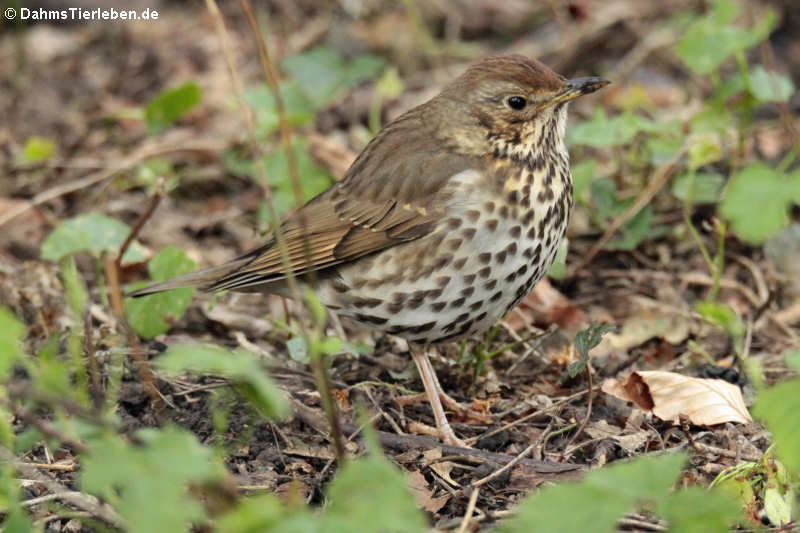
(687, 218)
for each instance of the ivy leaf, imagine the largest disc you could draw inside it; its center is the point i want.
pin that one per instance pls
(712, 39)
(149, 484)
(38, 149)
(92, 232)
(723, 316)
(600, 500)
(770, 86)
(323, 73)
(369, 495)
(154, 314)
(779, 408)
(706, 187)
(12, 331)
(585, 341)
(169, 105)
(756, 201)
(239, 366)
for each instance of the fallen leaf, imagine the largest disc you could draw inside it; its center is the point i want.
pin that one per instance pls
(424, 495)
(668, 395)
(546, 305)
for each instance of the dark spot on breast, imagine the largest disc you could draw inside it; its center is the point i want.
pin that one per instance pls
(468, 233)
(442, 281)
(531, 233)
(468, 291)
(515, 232)
(458, 302)
(453, 222)
(434, 293)
(469, 278)
(489, 207)
(521, 270)
(485, 257)
(496, 296)
(459, 263)
(503, 212)
(511, 248)
(489, 285)
(454, 244)
(366, 302)
(473, 215)
(500, 257)
(480, 317)
(371, 319)
(422, 327)
(416, 299)
(475, 306)
(528, 217)
(442, 262)
(513, 197)
(484, 272)
(511, 277)
(528, 253)
(491, 224)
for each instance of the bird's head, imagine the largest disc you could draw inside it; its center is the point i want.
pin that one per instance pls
(512, 99)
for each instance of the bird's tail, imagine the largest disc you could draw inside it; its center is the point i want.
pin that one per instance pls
(199, 278)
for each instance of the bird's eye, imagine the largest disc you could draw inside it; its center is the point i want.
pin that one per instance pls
(516, 102)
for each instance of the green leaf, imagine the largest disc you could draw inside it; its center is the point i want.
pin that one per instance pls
(779, 408)
(313, 179)
(776, 506)
(590, 337)
(298, 108)
(712, 39)
(239, 366)
(706, 187)
(696, 510)
(582, 175)
(756, 201)
(38, 149)
(558, 270)
(704, 149)
(323, 74)
(600, 500)
(267, 512)
(634, 231)
(154, 314)
(148, 484)
(369, 495)
(169, 105)
(793, 359)
(298, 349)
(603, 132)
(770, 86)
(723, 316)
(75, 288)
(92, 232)
(12, 331)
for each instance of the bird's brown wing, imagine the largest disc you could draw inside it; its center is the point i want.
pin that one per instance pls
(390, 195)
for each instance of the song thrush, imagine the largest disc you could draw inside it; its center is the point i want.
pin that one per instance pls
(443, 223)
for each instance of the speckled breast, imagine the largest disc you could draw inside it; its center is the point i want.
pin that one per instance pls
(494, 244)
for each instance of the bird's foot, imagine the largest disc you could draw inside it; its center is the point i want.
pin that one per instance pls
(462, 411)
(444, 433)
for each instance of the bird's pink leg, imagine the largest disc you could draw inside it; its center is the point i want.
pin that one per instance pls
(433, 391)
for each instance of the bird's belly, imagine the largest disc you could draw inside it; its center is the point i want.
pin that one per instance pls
(457, 281)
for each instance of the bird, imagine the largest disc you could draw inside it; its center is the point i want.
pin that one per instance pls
(443, 223)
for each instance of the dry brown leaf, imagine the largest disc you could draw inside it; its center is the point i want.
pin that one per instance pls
(668, 395)
(424, 495)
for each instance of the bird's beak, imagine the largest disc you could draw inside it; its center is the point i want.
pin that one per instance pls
(578, 87)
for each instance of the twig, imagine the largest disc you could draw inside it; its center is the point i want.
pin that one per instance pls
(521, 455)
(473, 500)
(661, 178)
(130, 161)
(80, 500)
(318, 362)
(404, 443)
(588, 409)
(112, 274)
